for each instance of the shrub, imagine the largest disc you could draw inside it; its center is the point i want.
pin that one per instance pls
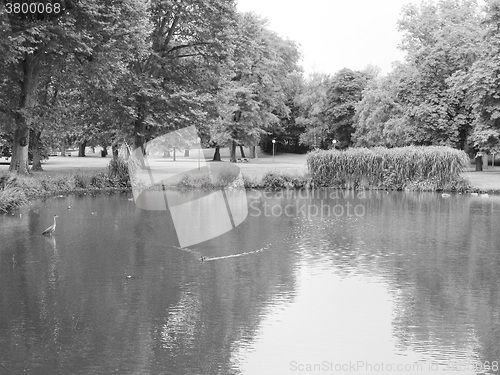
(99, 180)
(118, 172)
(250, 183)
(277, 180)
(82, 181)
(12, 197)
(197, 182)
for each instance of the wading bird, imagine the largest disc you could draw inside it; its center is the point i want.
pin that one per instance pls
(51, 229)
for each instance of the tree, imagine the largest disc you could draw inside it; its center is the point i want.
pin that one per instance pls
(343, 94)
(311, 102)
(440, 39)
(288, 131)
(380, 119)
(253, 84)
(34, 44)
(480, 85)
(168, 84)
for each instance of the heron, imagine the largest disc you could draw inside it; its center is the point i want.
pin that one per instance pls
(51, 229)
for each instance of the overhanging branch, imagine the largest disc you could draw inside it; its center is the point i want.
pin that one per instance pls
(187, 46)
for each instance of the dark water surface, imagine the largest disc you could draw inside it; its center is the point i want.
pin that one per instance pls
(369, 283)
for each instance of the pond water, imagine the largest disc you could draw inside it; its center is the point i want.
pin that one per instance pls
(370, 282)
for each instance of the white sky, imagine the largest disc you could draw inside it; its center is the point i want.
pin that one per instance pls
(336, 34)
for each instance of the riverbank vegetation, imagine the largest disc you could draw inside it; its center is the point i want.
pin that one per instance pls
(411, 168)
(16, 190)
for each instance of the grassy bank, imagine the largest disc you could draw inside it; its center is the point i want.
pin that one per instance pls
(403, 168)
(16, 190)
(410, 168)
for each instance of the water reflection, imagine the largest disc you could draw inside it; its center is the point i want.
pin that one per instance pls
(407, 279)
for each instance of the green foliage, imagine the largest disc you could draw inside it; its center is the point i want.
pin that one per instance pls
(254, 87)
(219, 179)
(118, 172)
(82, 181)
(343, 94)
(380, 118)
(327, 108)
(99, 181)
(311, 100)
(398, 168)
(198, 182)
(11, 195)
(250, 183)
(440, 39)
(419, 102)
(479, 86)
(12, 198)
(274, 180)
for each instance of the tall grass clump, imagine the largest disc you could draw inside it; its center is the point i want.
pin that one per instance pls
(11, 196)
(413, 167)
(118, 172)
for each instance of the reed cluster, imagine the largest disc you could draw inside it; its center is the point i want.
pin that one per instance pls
(413, 167)
(11, 196)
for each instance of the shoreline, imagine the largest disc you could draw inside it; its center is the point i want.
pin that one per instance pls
(249, 185)
(92, 175)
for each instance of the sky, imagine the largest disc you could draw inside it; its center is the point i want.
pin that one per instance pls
(336, 34)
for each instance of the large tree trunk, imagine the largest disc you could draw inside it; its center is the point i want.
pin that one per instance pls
(232, 158)
(81, 149)
(140, 126)
(35, 147)
(242, 152)
(217, 154)
(115, 148)
(253, 152)
(479, 163)
(63, 148)
(27, 100)
(138, 135)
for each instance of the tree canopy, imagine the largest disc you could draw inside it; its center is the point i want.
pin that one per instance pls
(113, 71)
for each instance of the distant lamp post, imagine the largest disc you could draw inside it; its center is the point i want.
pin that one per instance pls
(199, 151)
(274, 142)
(334, 143)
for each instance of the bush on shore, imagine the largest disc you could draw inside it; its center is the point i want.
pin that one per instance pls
(16, 189)
(271, 180)
(412, 168)
(11, 196)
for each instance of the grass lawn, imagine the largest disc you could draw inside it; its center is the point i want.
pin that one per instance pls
(488, 180)
(255, 168)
